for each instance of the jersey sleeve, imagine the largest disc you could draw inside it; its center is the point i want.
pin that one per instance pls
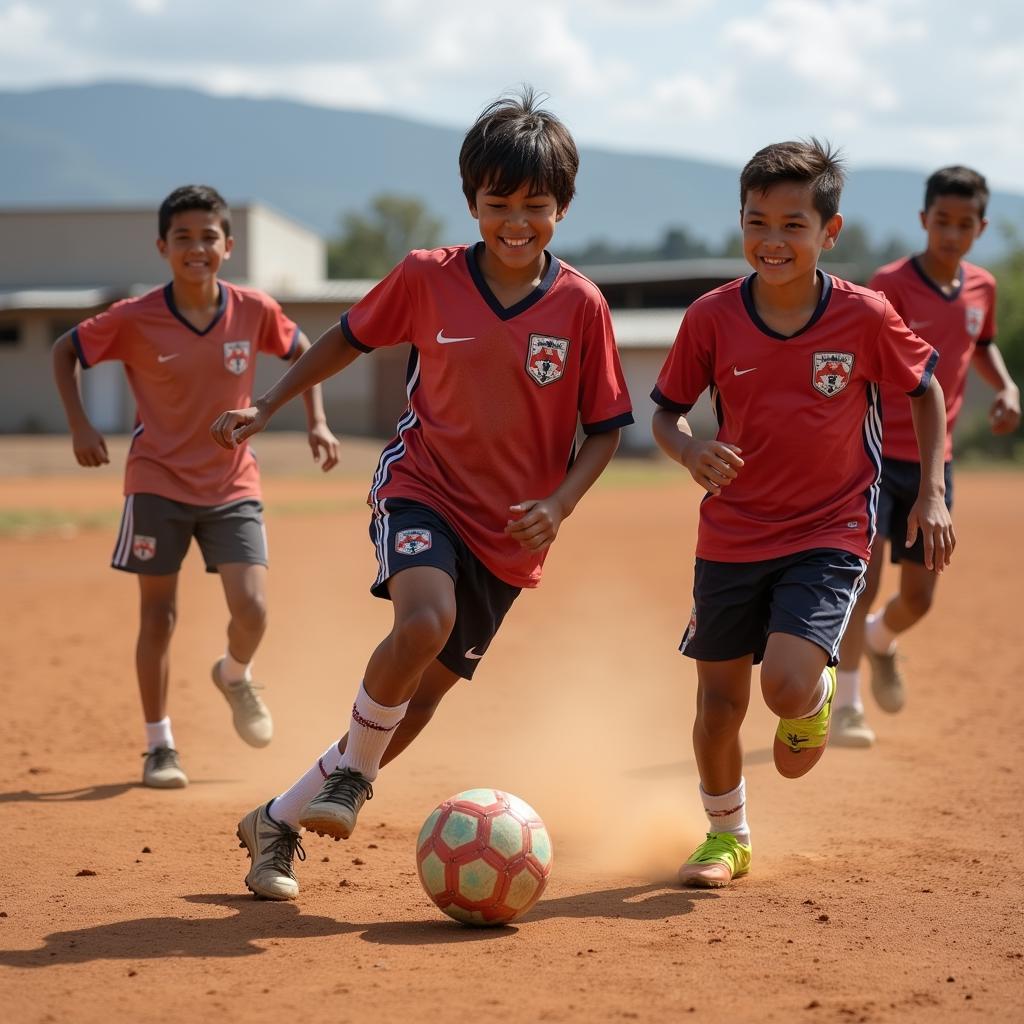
(101, 337)
(988, 328)
(903, 359)
(604, 400)
(688, 368)
(279, 335)
(383, 316)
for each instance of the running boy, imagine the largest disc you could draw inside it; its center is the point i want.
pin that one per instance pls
(511, 349)
(950, 303)
(188, 349)
(793, 358)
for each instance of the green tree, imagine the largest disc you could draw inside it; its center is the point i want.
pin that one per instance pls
(370, 245)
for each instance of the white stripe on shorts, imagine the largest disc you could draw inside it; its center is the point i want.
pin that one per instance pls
(124, 538)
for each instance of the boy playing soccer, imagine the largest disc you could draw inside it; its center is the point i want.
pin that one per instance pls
(950, 303)
(510, 350)
(793, 358)
(188, 349)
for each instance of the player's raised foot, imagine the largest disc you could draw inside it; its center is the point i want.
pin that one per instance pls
(886, 681)
(716, 862)
(272, 847)
(333, 811)
(800, 742)
(162, 769)
(850, 730)
(248, 712)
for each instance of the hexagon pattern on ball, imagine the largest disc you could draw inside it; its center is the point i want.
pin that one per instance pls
(484, 856)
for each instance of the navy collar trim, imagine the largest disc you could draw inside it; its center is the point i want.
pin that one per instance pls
(508, 312)
(221, 306)
(747, 291)
(948, 296)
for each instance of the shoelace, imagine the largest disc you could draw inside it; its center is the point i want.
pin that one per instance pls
(246, 696)
(345, 787)
(284, 846)
(718, 847)
(163, 757)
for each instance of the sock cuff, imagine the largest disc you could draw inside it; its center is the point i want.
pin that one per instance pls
(379, 717)
(724, 803)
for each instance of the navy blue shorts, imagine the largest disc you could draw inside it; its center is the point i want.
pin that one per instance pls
(406, 533)
(897, 494)
(736, 605)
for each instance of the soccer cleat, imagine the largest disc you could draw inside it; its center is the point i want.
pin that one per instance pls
(716, 862)
(162, 769)
(272, 847)
(250, 715)
(850, 730)
(886, 680)
(333, 811)
(800, 742)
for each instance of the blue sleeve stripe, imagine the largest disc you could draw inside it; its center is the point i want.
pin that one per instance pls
(350, 336)
(926, 377)
(293, 346)
(603, 426)
(667, 403)
(77, 342)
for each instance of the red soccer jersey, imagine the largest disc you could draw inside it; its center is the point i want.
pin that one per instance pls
(804, 410)
(495, 394)
(955, 324)
(182, 379)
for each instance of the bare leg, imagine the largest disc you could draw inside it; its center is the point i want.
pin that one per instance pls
(157, 615)
(789, 674)
(245, 591)
(723, 693)
(851, 647)
(914, 599)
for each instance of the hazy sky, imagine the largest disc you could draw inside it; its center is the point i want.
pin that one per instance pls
(914, 83)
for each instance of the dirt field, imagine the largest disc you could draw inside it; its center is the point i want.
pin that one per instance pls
(886, 885)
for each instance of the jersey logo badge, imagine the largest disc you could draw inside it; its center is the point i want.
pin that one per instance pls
(412, 542)
(545, 358)
(831, 372)
(143, 548)
(236, 356)
(975, 318)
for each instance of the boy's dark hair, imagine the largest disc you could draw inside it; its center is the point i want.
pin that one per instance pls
(808, 162)
(193, 197)
(514, 142)
(957, 181)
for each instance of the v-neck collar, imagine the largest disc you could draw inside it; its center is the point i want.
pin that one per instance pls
(175, 312)
(948, 296)
(747, 291)
(508, 312)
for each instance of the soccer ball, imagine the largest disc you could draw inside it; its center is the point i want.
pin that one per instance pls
(484, 856)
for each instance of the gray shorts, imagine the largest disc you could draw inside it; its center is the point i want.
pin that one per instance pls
(156, 533)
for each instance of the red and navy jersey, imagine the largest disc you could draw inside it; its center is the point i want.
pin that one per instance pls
(495, 393)
(955, 324)
(183, 379)
(804, 410)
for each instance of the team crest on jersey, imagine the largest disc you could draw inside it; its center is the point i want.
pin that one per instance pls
(975, 319)
(236, 356)
(143, 548)
(545, 358)
(831, 372)
(690, 629)
(412, 542)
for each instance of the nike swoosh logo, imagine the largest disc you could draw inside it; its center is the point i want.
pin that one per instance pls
(471, 653)
(442, 340)
(164, 359)
(739, 373)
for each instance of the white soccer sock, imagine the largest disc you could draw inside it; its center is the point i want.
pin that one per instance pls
(848, 689)
(369, 733)
(727, 812)
(158, 734)
(232, 671)
(819, 700)
(877, 635)
(288, 806)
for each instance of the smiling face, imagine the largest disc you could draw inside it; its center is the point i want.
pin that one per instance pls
(952, 223)
(516, 230)
(783, 233)
(195, 246)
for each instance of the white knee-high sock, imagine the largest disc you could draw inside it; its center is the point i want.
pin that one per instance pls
(288, 806)
(727, 812)
(369, 733)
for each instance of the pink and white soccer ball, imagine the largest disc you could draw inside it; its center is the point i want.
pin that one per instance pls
(484, 856)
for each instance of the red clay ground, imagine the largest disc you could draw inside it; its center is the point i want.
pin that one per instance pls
(886, 885)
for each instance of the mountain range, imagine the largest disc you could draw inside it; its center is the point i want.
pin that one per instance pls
(130, 144)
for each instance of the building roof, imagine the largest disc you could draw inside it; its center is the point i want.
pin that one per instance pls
(644, 328)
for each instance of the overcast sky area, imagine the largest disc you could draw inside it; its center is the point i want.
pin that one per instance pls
(897, 83)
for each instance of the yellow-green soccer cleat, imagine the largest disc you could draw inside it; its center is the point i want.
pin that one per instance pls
(716, 862)
(800, 742)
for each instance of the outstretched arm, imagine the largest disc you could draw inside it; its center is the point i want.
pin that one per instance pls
(86, 441)
(330, 355)
(713, 464)
(321, 440)
(1004, 415)
(536, 521)
(929, 514)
